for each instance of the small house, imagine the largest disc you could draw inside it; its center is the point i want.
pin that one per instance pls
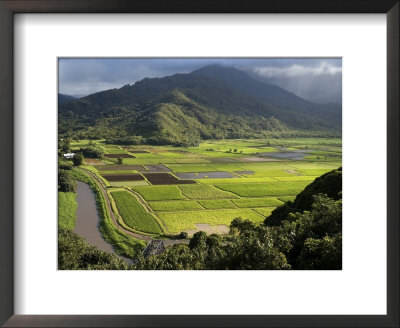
(69, 155)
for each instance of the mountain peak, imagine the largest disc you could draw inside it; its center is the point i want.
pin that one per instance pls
(213, 69)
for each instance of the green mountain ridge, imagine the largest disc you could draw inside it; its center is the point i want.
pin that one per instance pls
(271, 94)
(180, 109)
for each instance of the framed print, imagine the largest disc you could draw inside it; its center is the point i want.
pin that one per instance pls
(199, 152)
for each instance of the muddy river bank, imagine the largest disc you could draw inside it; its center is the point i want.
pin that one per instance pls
(88, 220)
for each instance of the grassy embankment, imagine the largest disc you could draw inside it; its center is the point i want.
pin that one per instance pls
(67, 207)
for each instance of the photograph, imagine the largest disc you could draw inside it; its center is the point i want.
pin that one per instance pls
(199, 163)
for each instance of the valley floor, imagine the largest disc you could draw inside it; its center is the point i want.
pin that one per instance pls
(165, 190)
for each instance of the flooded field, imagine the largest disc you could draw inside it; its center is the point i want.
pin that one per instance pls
(157, 168)
(294, 155)
(205, 175)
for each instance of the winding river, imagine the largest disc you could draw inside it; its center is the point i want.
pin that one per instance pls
(88, 219)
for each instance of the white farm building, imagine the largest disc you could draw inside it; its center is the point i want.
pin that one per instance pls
(69, 155)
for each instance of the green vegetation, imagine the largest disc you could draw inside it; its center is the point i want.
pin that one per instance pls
(74, 253)
(67, 207)
(283, 182)
(329, 184)
(179, 205)
(264, 211)
(133, 213)
(311, 240)
(78, 159)
(187, 220)
(123, 244)
(260, 191)
(160, 192)
(256, 202)
(128, 183)
(237, 180)
(66, 181)
(215, 204)
(286, 198)
(204, 192)
(250, 247)
(184, 109)
(264, 189)
(91, 152)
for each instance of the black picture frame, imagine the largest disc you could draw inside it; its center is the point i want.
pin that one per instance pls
(7, 10)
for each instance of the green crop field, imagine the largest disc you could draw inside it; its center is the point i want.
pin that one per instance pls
(174, 205)
(133, 213)
(286, 198)
(308, 178)
(261, 180)
(160, 192)
(129, 183)
(216, 203)
(67, 207)
(236, 180)
(204, 192)
(276, 188)
(264, 211)
(206, 167)
(187, 220)
(257, 202)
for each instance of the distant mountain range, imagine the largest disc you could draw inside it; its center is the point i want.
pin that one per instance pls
(64, 98)
(211, 102)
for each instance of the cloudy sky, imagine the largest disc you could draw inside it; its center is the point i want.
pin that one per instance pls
(318, 80)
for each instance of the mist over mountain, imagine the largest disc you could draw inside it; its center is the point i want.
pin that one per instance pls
(210, 103)
(317, 88)
(271, 94)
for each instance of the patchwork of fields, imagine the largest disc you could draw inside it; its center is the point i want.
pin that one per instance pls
(166, 190)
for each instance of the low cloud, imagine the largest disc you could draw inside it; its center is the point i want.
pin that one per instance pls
(295, 70)
(315, 79)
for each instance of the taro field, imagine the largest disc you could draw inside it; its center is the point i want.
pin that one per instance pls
(164, 190)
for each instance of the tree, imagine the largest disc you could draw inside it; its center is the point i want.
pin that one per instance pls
(321, 254)
(92, 152)
(316, 235)
(77, 159)
(66, 182)
(63, 144)
(119, 160)
(74, 253)
(198, 240)
(257, 247)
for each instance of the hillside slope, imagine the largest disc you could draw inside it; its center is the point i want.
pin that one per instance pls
(329, 184)
(271, 94)
(179, 109)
